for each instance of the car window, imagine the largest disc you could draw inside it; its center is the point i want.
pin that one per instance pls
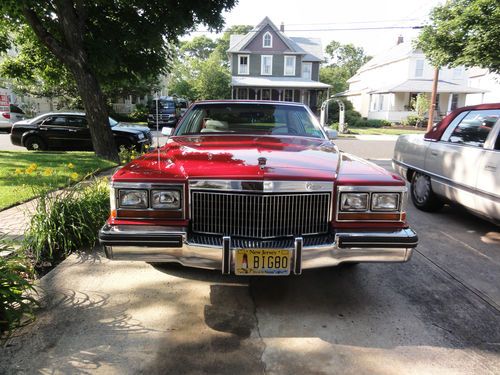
(16, 109)
(55, 120)
(77, 122)
(268, 119)
(475, 127)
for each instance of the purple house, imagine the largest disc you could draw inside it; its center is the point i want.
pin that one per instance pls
(268, 65)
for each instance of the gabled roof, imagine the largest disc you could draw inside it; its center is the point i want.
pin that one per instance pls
(309, 47)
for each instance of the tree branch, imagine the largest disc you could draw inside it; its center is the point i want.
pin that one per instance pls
(62, 53)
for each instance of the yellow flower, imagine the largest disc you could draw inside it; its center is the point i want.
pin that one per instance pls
(29, 170)
(33, 166)
(146, 146)
(48, 172)
(124, 161)
(19, 171)
(71, 166)
(74, 176)
(132, 157)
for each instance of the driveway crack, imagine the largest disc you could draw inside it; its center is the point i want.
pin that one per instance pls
(257, 325)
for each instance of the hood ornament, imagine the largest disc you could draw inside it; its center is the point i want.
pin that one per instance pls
(262, 163)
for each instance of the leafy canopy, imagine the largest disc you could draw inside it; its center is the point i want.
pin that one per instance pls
(344, 60)
(463, 32)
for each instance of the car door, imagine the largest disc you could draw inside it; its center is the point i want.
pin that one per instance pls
(453, 161)
(488, 178)
(78, 133)
(53, 128)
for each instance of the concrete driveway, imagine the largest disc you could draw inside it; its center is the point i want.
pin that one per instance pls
(439, 313)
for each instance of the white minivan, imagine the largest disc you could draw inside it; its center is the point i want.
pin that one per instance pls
(10, 115)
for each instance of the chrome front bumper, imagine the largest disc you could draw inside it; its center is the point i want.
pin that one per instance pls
(171, 244)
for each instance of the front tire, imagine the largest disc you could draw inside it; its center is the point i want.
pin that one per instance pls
(35, 143)
(422, 195)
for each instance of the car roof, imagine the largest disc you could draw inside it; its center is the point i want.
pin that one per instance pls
(239, 101)
(64, 113)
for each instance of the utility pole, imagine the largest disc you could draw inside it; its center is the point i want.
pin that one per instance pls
(432, 106)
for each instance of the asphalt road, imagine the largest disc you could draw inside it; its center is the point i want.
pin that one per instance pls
(437, 314)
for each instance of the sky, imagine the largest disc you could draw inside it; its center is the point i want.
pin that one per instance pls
(314, 18)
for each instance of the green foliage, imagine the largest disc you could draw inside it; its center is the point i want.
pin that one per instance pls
(421, 105)
(128, 154)
(369, 123)
(140, 113)
(201, 68)
(412, 120)
(463, 32)
(66, 221)
(16, 290)
(344, 62)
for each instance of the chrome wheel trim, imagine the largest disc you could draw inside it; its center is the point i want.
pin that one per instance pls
(35, 146)
(421, 188)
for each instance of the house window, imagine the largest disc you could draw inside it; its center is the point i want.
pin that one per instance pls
(306, 70)
(419, 68)
(289, 66)
(453, 102)
(267, 40)
(266, 65)
(243, 64)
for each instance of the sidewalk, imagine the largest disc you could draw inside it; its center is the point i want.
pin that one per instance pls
(14, 221)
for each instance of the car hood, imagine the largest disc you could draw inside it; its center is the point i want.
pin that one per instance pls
(237, 157)
(130, 128)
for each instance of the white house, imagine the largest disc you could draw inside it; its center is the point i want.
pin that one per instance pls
(488, 82)
(384, 87)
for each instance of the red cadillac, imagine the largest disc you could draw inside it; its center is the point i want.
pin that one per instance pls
(255, 188)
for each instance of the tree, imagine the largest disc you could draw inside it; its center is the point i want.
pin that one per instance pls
(199, 47)
(344, 60)
(463, 32)
(109, 39)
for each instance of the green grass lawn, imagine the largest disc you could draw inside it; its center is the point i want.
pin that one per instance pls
(19, 178)
(385, 131)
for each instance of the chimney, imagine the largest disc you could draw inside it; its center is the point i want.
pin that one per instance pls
(400, 40)
(282, 27)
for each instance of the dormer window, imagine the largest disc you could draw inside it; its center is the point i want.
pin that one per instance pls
(267, 40)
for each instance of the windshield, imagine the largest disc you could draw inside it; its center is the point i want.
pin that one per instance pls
(112, 122)
(248, 118)
(164, 104)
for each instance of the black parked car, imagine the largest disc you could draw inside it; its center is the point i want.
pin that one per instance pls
(69, 131)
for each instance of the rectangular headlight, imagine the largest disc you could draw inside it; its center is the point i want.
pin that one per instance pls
(354, 202)
(132, 198)
(385, 201)
(166, 199)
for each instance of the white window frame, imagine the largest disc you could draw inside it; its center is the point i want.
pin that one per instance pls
(270, 40)
(294, 59)
(310, 70)
(262, 58)
(239, 65)
(418, 69)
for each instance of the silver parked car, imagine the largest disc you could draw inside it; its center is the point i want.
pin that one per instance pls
(10, 115)
(458, 160)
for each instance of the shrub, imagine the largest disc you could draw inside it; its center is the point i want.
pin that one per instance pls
(128, 154)
(140, 113)
(412, 120)
(68, 220)
(16, 303)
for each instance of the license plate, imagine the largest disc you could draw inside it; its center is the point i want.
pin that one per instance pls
(262, 262)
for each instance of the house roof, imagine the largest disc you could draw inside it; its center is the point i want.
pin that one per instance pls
(395, 53)
(282, 82)
(425, 85)
(309, 47)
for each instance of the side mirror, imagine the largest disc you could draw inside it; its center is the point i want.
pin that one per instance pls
(166, 131)
(332, 134)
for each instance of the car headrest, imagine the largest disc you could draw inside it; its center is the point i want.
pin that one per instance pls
(215, 126)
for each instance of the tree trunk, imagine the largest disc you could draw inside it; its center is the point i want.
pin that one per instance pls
(96, 112)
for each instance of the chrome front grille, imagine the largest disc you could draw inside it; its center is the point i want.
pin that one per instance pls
(260, 215)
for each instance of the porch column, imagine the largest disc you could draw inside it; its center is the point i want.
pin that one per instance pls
(255, 93)
(280, 97)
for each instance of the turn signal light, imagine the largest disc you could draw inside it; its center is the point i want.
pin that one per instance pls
(6, 115)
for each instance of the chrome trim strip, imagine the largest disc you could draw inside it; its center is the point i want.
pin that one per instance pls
(448, 182)
(297, 256)
(263, 186)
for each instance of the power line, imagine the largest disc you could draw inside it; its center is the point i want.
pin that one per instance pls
(415, 27)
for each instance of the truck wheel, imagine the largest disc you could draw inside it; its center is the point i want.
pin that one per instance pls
(422, 195)
(35, 143)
